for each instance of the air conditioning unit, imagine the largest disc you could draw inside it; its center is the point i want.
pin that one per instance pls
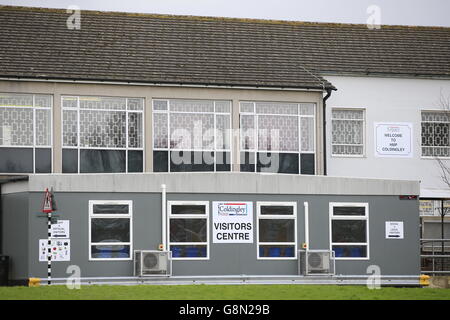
(152, 263)
(316, 262)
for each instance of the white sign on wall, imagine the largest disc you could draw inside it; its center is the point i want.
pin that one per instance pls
(394, 230)
(60, 229)
(393, 139)
(232, 222)
(60, 250)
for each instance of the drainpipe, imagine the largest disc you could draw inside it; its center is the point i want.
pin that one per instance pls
(329, 90)
(1, 221)
(164, 217)
(306, 205)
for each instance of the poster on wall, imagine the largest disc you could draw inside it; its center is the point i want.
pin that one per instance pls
(232, 222)
(60, 229)
(393, 139)
(60, 249)
(394, 230)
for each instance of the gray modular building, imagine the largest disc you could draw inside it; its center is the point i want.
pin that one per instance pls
(112, 215)
(203, 137)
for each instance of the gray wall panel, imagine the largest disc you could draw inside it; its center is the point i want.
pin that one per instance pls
(393, 256)
(15, 233)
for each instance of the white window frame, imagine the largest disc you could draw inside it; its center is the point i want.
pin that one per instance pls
(256, 132)
(421, 122)
(364, 142)
(126, 148)
(350, 217)
(260, 216)
(129, 216)
(189, 216)
(34, 146)
(169, 149)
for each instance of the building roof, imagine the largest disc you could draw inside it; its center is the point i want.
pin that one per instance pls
(126, 47)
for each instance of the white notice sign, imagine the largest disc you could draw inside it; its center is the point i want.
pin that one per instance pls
(60, 250)
(232, 222)
(393, 140)
(394, 229)
(60, 229)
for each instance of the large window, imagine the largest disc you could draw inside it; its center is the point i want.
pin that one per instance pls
(347, 132)
(191, 135)
(188, 229)
(102, 134)
(25, 133)
(110, 230)
(349, 230)
(435, 134)
(277, 230)
(277, 137)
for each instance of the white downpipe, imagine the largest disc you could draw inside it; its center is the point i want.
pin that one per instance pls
(164, 216)
(306, 224)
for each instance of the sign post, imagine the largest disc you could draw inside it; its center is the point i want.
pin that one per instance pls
(47, 208)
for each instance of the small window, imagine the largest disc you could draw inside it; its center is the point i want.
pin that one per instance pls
(277, 230)
(188, 230)
(349, 230)
(347, 132)
(436, 134)
(110, 235)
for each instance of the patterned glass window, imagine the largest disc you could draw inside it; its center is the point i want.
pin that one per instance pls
(347, 132)
(25, 133)
(191, 135)
(435, 134)
(102, 134)
(277, 137)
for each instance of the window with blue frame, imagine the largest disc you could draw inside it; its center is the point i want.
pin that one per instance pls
(110, 230)
(277, 230)
(188, 229)
(349, 230)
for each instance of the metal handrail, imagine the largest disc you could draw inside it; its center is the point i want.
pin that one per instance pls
(438, 250)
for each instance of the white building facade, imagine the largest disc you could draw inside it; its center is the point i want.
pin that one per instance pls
(415, 108)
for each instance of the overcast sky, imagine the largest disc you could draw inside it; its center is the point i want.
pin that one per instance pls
(401, 12)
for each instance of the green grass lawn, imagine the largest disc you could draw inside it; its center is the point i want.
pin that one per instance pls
(225, 292)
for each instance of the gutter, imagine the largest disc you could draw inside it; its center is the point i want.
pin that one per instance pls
(161, 84)
(324, 134)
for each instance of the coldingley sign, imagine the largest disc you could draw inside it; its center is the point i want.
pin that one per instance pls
(232, 222)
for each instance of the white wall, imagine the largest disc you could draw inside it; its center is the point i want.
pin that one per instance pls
(388, 100)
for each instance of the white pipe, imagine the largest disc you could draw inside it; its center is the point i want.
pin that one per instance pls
(164, 217)
(306, 224)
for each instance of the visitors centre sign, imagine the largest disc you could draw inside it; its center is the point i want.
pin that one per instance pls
(232, 222)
